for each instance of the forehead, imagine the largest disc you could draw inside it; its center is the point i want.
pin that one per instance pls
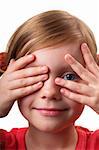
(54, 56)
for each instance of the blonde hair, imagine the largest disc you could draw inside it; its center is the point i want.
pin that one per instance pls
(48, 29)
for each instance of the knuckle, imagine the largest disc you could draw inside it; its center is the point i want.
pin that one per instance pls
(78, 88)
(70, 95)
(68, 84)
(23, 82)
(24, 73)
(28, 90)
(29, 71)
(37, 69)
(83, 73)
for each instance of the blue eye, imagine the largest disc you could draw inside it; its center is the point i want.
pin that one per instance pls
(69, 76)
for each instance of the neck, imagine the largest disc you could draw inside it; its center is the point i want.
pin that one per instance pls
(65, 139)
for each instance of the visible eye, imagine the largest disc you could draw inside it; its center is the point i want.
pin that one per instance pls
(70, 76)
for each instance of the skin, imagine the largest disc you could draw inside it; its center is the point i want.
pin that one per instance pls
(58, 130)
(87, 93)
(18, 82)
(54, 128)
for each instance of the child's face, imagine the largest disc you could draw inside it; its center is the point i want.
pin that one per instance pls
(40, 107)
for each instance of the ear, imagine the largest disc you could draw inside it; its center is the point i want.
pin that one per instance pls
(3, 57)
(97, 58)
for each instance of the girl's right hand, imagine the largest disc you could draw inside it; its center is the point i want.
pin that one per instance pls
(18, 81)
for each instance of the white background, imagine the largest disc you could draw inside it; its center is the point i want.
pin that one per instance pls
(14, 12)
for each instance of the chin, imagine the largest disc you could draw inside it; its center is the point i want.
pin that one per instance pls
(49, 126)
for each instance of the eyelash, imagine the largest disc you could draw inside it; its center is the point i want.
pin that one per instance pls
(70, 76)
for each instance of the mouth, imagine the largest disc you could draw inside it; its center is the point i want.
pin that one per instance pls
(51, 112)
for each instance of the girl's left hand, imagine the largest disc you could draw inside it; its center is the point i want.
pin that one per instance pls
(87, 94)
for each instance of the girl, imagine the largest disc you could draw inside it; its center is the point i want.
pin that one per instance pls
(52, 72)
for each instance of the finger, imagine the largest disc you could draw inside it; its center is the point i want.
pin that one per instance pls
(89, 59)
(28, 72)
(20, 83)
(97, 59)
(83, 73)
(85, 100)
(19, 93)
(21, 63)
(76, 97)
(9, 66)
(75, 86)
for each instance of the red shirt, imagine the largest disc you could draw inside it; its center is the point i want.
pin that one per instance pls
(15, 139)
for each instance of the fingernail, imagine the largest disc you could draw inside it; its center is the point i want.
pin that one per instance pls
(69, 59)
(45, 77)
(62, 90)
(84, 45)
(40, 84)
(44, 68)
(31, 56)
(12, 60)
(57, 80)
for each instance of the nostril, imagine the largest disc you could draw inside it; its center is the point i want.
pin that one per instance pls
(50, 91)
(43, 97)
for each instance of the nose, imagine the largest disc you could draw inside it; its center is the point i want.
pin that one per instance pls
(50, 91)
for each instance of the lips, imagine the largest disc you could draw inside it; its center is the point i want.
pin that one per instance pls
(50, 111)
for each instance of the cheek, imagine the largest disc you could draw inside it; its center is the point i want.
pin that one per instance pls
(75, 108)
(77, 111)
(24, 104)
